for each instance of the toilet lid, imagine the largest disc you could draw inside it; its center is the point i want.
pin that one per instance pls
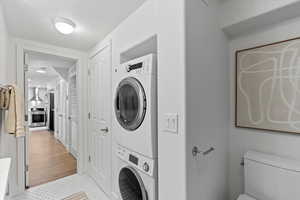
(245, 197)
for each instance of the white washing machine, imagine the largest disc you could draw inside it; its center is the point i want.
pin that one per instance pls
(135, 105)
(137, 176)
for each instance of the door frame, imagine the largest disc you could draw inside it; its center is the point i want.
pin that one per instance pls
(95, 52)
(23, 46)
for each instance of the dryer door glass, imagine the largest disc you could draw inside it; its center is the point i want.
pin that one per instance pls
(130, 104)
(131, 185)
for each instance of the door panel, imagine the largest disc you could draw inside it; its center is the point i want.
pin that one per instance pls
(100, 118)
(61, 92)
(73, 112)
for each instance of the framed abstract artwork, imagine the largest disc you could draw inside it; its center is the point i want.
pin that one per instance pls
(268, 87)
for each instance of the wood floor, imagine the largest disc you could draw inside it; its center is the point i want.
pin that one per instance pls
(48, 159)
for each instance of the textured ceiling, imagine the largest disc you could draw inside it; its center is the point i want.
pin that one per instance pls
(33, 19)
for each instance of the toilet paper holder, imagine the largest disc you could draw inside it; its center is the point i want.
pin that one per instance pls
(196, 151)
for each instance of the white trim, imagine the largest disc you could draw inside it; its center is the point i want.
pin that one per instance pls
(101, 49)
(25, 45)
(106, 42)
(73, 152)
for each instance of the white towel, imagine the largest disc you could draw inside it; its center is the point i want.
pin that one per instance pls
(14, 120)
(2, 100)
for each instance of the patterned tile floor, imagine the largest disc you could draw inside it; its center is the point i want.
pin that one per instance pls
(62, 188)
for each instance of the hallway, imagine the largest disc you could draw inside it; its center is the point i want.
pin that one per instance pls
(48, 159)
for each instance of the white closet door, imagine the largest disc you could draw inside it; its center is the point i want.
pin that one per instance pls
(61, 111)
(100, 118)
(73, 105)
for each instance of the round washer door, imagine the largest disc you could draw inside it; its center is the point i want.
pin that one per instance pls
(130, 104)
(131, 185)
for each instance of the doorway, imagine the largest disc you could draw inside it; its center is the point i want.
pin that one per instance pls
(51, 111)
(51, 145)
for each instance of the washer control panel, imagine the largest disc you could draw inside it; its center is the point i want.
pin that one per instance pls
(140, 162)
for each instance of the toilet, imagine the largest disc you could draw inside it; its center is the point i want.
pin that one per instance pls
(270, 177)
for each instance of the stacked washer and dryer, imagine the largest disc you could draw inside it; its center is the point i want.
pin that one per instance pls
(135, 128)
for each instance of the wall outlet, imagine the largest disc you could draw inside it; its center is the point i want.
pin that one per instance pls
(171, 122)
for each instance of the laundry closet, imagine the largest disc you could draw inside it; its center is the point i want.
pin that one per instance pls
(195, 44)
(188, 117)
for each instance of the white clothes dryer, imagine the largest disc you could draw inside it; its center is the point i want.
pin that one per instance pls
(135, 105)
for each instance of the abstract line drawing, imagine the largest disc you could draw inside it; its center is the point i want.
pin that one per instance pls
(268, 87)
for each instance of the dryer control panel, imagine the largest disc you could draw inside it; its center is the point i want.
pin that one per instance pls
(144, 65)
(142, 163)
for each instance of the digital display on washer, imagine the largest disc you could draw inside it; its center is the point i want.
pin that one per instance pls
(133, 159)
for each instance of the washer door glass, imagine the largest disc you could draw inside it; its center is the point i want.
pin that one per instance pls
(130, 103)
(131, 185)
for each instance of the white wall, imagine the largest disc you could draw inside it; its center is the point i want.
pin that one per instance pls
(207, 94)
(171, 99)
(235, 11)
(242, 140)
(3, 61)
(52, 84)
(240, 17)
(3, 47)
(7, 76)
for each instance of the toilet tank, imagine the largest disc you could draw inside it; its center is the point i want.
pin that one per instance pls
(269, 177)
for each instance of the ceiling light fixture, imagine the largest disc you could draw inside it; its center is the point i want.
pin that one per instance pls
(41, 70)
(64, 26)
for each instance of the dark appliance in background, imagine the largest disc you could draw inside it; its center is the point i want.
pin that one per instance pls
(52, 112)
(38, 117)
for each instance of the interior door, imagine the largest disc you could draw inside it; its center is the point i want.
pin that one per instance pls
(61, 115)
(73, 113)
(100, 118)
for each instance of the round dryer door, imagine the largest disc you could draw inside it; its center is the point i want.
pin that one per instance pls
(131, 185)
(130, 104)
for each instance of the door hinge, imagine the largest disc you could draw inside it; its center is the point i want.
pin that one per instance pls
(90, 159)
(89, 115)
(89, 72)
(26, 168)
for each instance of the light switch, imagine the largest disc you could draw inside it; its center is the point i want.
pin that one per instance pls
(171, 122)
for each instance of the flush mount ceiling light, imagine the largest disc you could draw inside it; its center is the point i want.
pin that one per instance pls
(64, 26)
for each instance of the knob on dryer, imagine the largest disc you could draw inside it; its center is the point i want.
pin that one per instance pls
(146, 167)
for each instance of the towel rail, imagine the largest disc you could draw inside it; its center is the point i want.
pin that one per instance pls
(5, 86)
